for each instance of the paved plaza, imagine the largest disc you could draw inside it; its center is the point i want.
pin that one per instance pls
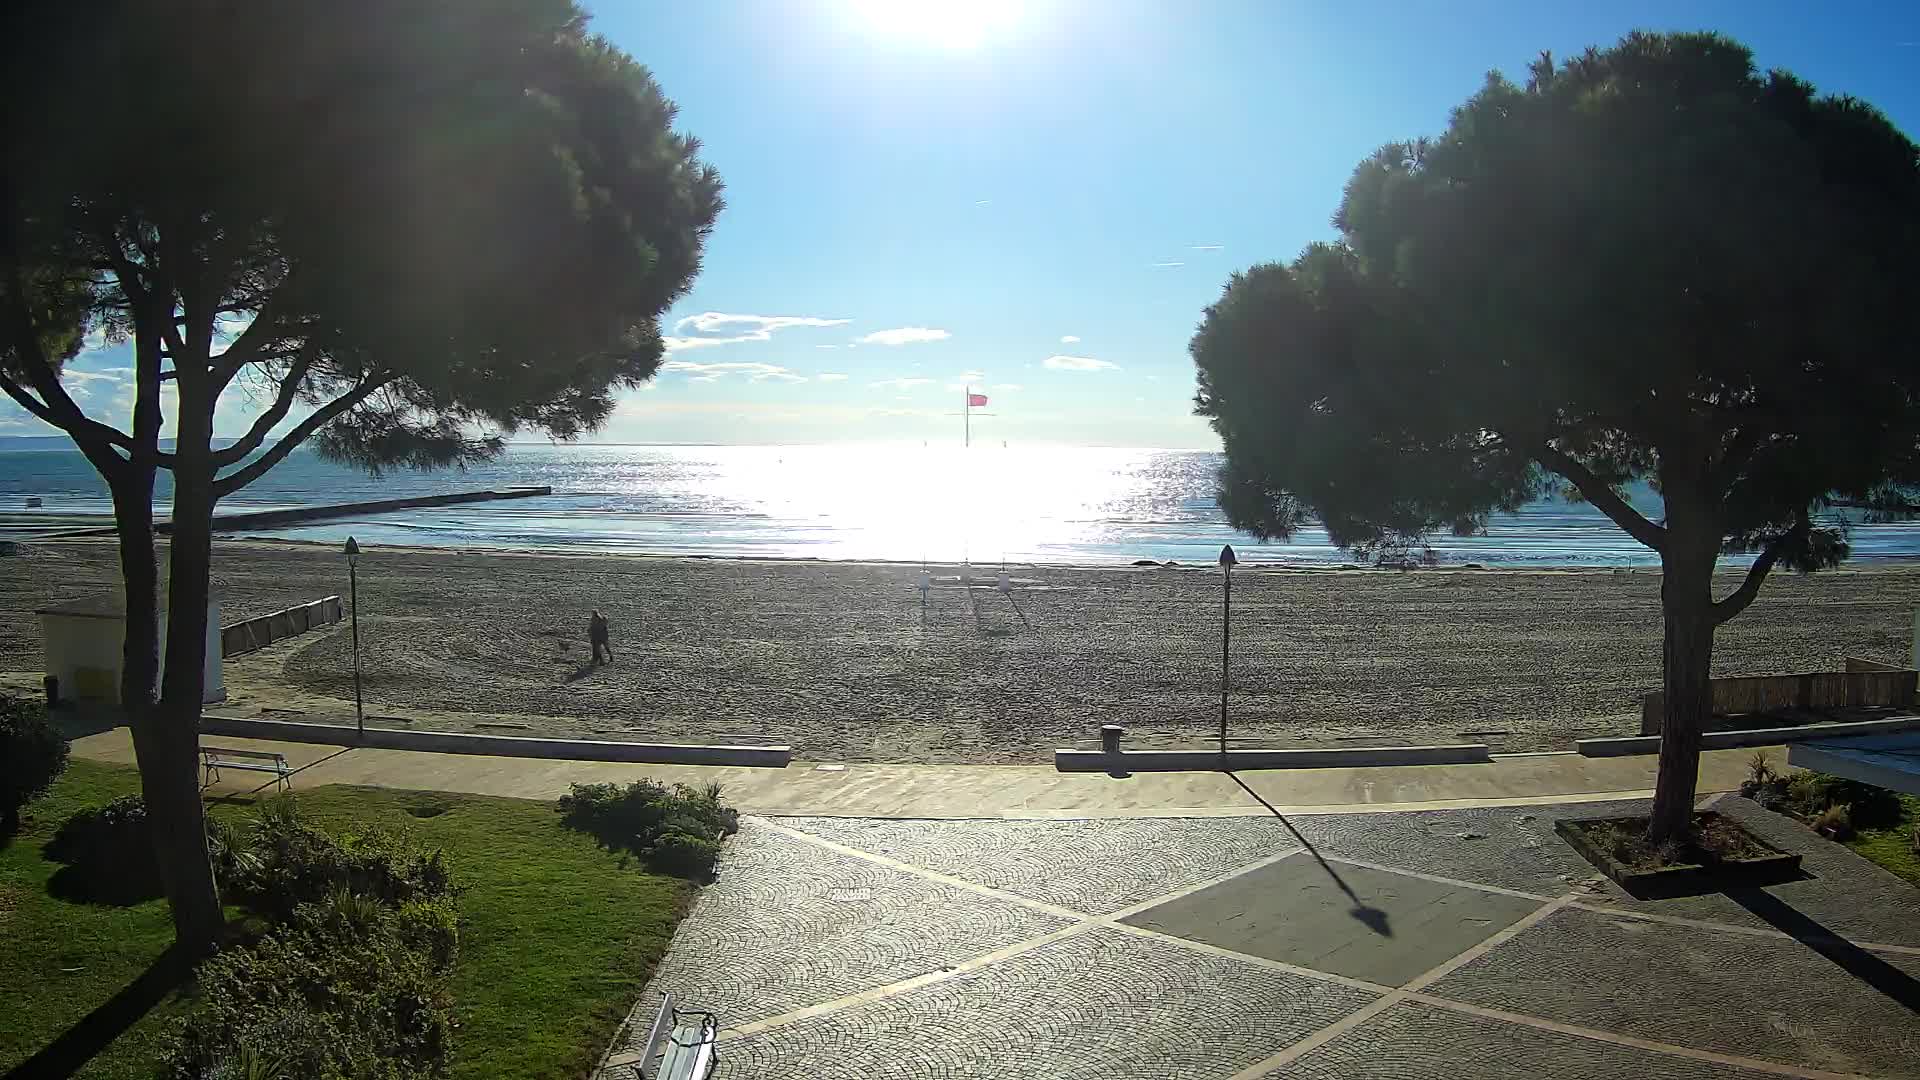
(1437, 943)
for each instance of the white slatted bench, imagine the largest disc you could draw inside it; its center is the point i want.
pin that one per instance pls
(215, 758)
(683, 1041)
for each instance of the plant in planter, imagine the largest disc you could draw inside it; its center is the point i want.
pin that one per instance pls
(1715, 851)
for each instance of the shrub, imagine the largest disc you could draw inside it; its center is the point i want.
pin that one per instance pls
(108, 852)
(294, 864)
(33, 754)
(677, 830)
(351, 981)
(1810, 795)
(684, 855)
(337, 991)
(1835, 822)
(1760, 770)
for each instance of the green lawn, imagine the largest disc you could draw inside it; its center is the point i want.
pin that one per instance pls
(556, 935)
(1893, 848)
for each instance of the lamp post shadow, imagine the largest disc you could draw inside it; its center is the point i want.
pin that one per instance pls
(1371, 917)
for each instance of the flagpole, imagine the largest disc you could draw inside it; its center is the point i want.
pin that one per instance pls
(966, 411)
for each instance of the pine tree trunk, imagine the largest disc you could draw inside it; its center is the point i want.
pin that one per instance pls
(1686, 601)
(140, 653)
(173, 793)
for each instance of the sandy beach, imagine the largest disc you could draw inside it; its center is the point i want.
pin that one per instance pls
(833, 658)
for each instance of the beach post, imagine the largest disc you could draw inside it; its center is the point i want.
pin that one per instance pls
(926, 582)
(1227, 559)
(353, 598)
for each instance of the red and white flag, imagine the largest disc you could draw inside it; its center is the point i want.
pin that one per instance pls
(974, 400)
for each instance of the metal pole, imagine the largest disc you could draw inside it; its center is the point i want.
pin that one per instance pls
(1226, 641)
(353, 592)
(966, 410)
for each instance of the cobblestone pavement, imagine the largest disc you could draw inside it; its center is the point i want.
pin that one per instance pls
(1224, 949)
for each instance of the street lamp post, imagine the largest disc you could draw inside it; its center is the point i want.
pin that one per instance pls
(353, 598)
(1227, 560)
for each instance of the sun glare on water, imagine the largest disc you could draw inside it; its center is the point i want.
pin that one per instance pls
(956, 24)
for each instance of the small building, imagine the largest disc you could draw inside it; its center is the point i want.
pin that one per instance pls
(83, 642)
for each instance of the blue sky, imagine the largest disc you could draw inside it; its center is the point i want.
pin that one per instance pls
(1040, 198)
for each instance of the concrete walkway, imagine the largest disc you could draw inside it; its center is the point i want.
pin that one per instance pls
(993, 791)
(1380, 946)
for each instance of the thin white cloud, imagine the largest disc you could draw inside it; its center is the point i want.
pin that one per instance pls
(721, 328)
(1079, 363)
(1164, 265)
(826, 346)
(72, 375)
(832, 376)
(715, 372)
(971, 376)
(983, 202)
(1208, 247)
(903, 335)
(899, 384)
(1069, 339)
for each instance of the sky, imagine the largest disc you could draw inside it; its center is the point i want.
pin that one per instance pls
(1038, 200)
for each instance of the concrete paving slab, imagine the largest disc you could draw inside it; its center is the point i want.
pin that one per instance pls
(1366, 924)
(1773, 999)
(789, 924)
(1100, 1005)
(1095, 866)
(1417, 1040)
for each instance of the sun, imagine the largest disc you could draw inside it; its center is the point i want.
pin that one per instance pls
(956, 24)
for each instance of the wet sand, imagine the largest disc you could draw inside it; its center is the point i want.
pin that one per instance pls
(834, 658)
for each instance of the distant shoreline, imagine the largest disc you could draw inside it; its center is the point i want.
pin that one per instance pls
(1250, 561)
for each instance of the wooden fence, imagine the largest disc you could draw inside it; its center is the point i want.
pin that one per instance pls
(1864, 684)
(256, 633)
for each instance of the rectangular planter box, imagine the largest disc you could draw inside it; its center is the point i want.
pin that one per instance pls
(1705, 876)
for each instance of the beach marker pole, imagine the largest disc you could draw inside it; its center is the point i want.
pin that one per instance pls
(1227, 560)
(353, 597)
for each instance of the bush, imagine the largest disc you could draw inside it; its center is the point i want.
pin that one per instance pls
(684, 855)
(678, 830)
(1810, 795)
(110, 856)
(33, 754)
(108, 852)
(352, 980)
(1835, 822)
(338, 991)
(293, 864)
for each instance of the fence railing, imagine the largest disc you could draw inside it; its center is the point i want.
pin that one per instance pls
(1864, 683)
(261, 631)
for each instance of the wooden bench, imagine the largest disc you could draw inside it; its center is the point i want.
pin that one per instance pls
(215, 758)
(684, 1042)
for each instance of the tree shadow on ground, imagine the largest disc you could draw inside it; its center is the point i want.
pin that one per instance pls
(82, 884)
(73, 1048)
(1896, 984)
(1373, 918)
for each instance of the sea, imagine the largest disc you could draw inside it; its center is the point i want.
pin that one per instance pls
(907, 503)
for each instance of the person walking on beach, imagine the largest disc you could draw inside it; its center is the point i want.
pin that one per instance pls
(597, 632)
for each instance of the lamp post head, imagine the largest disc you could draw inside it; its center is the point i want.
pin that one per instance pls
(353, 551)
(1227, 558)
